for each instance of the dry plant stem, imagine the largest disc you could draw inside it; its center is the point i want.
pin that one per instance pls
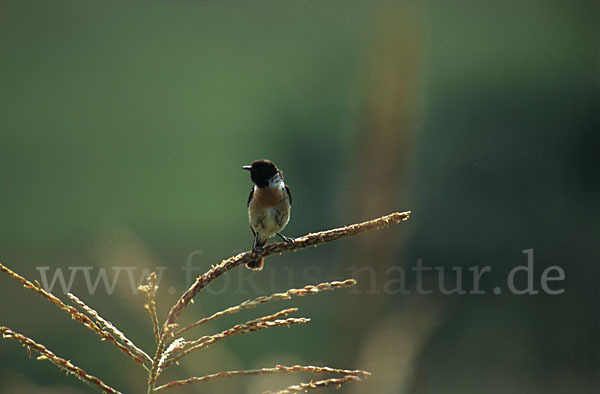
(232, 331)
(162, 336)
(202, 281)
(180, 344)
(262, 371)
(110, 327)
(155, 363)
(251, 326)
(75, 314)
(46, 354)
(312, 239)
(273, 297)
(302, 387)
(150, 291)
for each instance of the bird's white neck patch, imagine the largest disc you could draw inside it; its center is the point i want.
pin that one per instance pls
(276, 182)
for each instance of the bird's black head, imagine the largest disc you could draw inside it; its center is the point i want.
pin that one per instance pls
(261, 171)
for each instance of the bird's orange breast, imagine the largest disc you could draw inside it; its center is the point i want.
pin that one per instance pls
(268, 197)
(268, 212)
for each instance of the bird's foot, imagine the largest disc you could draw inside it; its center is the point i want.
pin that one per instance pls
(287, 239)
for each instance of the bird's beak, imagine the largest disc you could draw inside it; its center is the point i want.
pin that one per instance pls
(247, 167)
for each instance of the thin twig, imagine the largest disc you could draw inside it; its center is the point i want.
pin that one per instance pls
(71, 310)
(175, 350)
(250, 326)
(110, 327)
(277, 369)
(310, 289)
(154, 372)
(66, 365)
(312, 239)
(150, 291)
(302, 387)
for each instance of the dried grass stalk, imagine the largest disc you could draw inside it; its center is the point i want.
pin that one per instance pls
(263, 371)
(310, 289)
(65, 365)
(110, 327)
(155, 371)
(250, 326)
(75, 314)
(180, 348)
(238, 329)
(302, 387)
(306, 241)
(150, 291)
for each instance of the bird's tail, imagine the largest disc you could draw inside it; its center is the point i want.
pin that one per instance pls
(256, 265)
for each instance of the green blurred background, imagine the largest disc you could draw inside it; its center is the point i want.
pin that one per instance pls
(123, 126)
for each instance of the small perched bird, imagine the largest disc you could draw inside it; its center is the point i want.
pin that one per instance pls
(269, 206)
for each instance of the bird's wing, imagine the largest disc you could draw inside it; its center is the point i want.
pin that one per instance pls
(250, 196)
(287, 189)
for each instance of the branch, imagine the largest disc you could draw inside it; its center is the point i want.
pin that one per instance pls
(46, 354)
(310, 289)
(312, 239)
(150, 291)
(302, 387)
(111, 327)
(263, 371)
(71, 310)
(160, 348)
(250, 326)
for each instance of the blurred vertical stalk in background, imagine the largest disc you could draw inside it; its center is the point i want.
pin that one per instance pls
(380, 167)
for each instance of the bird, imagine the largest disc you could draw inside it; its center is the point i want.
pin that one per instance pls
(269, 205)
